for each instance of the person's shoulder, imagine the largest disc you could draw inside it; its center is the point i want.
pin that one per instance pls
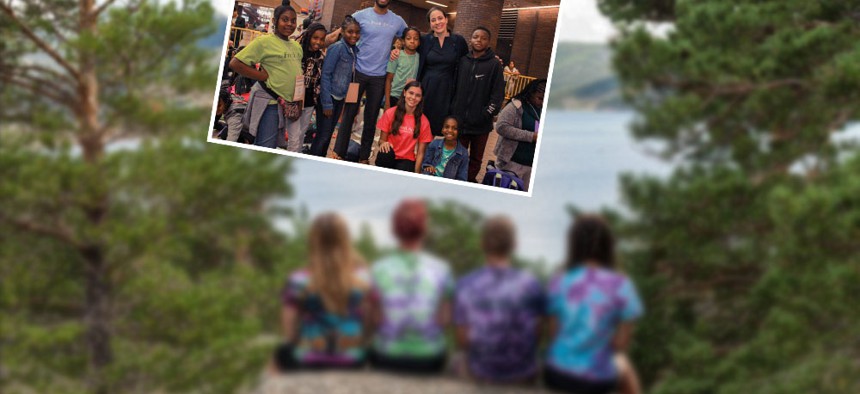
(435, 143)
(362, 12)
(433, 261)
(389, 113)
(338, 46)
(469, 278)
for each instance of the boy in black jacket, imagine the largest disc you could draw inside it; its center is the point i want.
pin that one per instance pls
(480, 89)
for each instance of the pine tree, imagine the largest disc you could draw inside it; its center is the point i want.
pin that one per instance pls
(128, 246)
(746, 267)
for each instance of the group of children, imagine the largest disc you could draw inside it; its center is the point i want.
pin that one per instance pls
(297, 79)
(508, 328)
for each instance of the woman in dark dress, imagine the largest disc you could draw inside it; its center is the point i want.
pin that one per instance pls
(440, 52)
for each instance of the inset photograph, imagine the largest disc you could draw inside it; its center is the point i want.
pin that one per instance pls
(449, 90)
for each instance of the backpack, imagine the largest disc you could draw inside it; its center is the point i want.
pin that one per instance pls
(502, 178)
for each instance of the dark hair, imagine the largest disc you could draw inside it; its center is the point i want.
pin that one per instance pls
(590, 239)
(489, 35)
(280, 10)
(349, 20)
(306, 38)
(430, 11)
(307, 22)
(400, 112)
(498, 236)
(538, 85)
(407, 30)
(456, 120)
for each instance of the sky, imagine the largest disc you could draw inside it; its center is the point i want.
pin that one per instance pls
(581, 19)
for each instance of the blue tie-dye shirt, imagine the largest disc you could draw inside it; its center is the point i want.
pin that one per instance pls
(501, 306)
(589, 303)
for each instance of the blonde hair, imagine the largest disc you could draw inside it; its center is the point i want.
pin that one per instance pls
(333, 262)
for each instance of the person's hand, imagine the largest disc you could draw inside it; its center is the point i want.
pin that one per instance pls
(500, 60)
(395, 53)
(534, 138)
(429, 170)
(387, 105)
(327, 113)
(385, 147)
(264, 75)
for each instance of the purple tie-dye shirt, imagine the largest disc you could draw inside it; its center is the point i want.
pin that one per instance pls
(589, 303)
(501, 306)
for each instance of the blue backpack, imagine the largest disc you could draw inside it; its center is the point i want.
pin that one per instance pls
(502, 178)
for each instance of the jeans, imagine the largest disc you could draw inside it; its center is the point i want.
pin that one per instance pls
(374, 88)
(267, 131)
(325, 128)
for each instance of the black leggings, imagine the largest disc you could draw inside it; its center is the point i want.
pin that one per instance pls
(421, 366)
(388, 160)
(560, 381)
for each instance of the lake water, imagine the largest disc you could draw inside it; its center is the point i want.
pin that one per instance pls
(582, 154)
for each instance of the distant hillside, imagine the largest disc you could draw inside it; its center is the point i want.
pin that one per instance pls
(583, 78)
(216, 39)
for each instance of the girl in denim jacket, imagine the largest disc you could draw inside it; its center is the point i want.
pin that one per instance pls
(337, 73)
(447, 157)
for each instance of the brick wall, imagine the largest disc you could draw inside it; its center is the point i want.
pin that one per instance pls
(413, 16)
(474, 13)
(533, 41)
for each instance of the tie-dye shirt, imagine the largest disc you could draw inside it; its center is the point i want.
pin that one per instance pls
(501, 308)
(410, 288)
(326, 338)
(589, 303)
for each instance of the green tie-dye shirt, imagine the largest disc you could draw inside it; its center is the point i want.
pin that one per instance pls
(410, 288)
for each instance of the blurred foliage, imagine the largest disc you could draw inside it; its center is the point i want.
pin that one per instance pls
(747, 254)
(134, 257)
(194, 266)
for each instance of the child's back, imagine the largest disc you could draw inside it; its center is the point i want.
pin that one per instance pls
(502, 307)
(588, 303)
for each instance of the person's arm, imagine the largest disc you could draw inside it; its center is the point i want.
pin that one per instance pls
(505, 126)
(621, 339)
(289, 322)
(419, 156)
(384, 145)
(497, 94)
(332, 37)
(463, 170)
(427, 163)
(248, 71)
(329, 64)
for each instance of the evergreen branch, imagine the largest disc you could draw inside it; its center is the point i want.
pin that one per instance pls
(102, 8)
(57, 231)
(38, 89)
(50, 51)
